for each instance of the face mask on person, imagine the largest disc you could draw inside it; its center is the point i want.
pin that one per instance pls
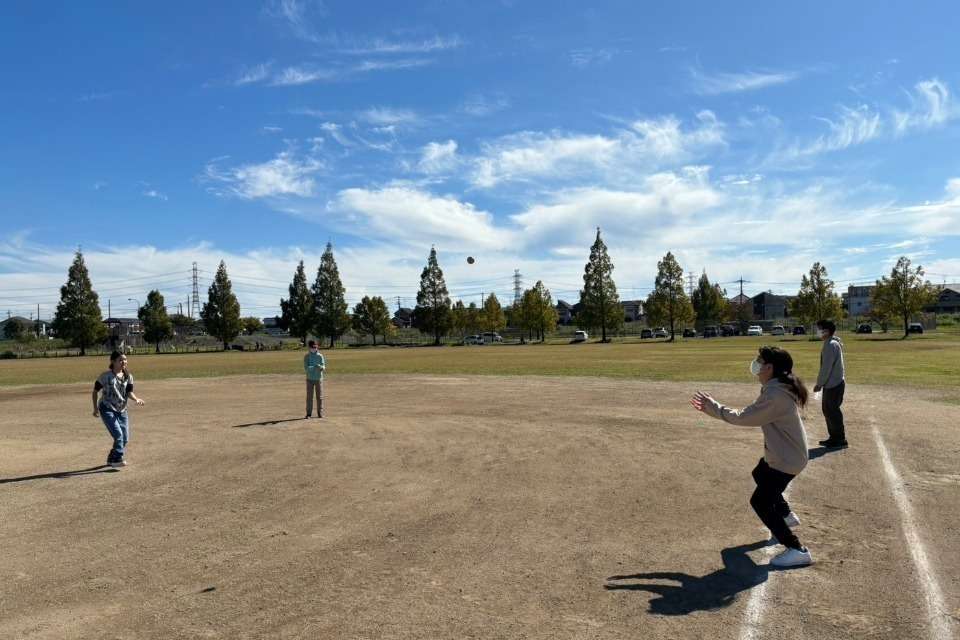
(820, 333)
(313, 349)
(755, 367)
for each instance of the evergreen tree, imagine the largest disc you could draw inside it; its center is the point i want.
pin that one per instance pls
(77, 319)
(14, 329)
(492, 317)
(904, 294)
(297, 310)
(601, 304)
(709, 303)
(157, 325)
(816, 299)
(329, 305)
(182, 324)
(221, 311)
(527, 314)
(668, 302)
(433, 313)
(473, 318)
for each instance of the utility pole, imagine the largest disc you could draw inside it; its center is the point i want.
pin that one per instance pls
(517, 287)
(109, 312)
(398, 303)
(38, 319)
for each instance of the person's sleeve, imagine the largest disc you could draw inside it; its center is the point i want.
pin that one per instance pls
(761, 412)
(827, 364)
(306, 363)
(130, 384)
(97, 385)
(323, 362)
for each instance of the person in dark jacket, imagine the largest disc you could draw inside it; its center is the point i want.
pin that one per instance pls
(832, 382)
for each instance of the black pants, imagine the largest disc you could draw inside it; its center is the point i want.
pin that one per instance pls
(767, 500)
(832, 399)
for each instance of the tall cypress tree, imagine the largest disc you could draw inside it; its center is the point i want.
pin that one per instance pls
(709, 302)
(221, 312)
(297, 310)
(816, 299)
(601, 303)
(329, 304)
(78, 318)
(433, 313)
(157, 325)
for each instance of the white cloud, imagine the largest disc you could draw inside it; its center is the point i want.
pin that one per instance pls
(382, 116)
(645, 144)
(271, 129)
(417, 218)
(296, 15)
(285, 175)
(853, 126)
(153, 193)
(480, 105)
(586, 57)
(932, 106)
(293, 76)
(252, 75)
(717, 83)
(427, 45)
(335, 131)
(391, 65)
(438, 157)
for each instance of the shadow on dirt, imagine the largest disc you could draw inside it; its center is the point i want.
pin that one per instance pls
(103, 468)
(699, 593)
(819, 452)
(265, 423)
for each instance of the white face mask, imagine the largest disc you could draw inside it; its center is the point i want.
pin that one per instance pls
(313, 349)
(820, 333)
(755, 367)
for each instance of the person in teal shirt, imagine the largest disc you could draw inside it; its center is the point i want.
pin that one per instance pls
(314, 365)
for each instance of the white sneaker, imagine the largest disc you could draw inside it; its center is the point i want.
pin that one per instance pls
(792, 558)
(117, 465)
(792, 520)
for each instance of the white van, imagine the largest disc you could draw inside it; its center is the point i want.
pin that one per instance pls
(580, 336)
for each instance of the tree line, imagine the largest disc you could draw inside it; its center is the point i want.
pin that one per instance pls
(320, 309)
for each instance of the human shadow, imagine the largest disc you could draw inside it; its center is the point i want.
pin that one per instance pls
(103, 468)
(699, 593)
(265, 423)
(819, 452)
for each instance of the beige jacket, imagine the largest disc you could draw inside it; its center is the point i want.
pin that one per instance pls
(777, 413)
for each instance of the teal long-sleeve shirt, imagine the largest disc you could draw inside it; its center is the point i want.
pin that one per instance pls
(314, 365)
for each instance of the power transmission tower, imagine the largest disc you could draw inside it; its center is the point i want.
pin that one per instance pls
(195, 299)
(690, 280)
(517, 287)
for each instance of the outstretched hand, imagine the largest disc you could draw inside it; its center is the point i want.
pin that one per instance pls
(699, 400)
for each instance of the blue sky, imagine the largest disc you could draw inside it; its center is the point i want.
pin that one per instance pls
(749, 143)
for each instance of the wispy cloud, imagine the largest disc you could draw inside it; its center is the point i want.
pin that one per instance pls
(931, 106)
(335, 131)
(293, 76)
(717, 83)
(296, 14)
(254, 74)
(153, 193)
(284, 175)
(438, 157)
(385, 116)
(382, 46)
(271, 129)
(586, 57)
(390, 65)
(97, 96)
(480, 105)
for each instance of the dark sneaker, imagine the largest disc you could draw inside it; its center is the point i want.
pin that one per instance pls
(834, 444)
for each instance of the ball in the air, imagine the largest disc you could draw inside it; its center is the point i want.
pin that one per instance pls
(470, 260)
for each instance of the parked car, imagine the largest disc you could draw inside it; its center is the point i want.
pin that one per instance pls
(755, 330)
(660, 332)
(492, 336)
(689, 333)
(728, 330)
(864, 328)
(473, 340)
(579, 336)
(777, 330)
(914, 327)
(710, 332)
(799, 331)
(646, 334)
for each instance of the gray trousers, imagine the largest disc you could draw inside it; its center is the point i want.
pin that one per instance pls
(315, 387)
(832, 399)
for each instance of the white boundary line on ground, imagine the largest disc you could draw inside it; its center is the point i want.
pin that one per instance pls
(940, 624)
(753, 614)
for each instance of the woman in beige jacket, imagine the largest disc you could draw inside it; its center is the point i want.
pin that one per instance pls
(777, 413)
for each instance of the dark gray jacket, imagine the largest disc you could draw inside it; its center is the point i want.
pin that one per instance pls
(831, 364)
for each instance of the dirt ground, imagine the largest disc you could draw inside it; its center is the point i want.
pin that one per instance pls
(458, 507)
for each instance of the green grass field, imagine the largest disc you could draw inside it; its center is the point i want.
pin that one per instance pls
(929, 361)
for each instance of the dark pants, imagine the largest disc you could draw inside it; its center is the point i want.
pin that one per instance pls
(832, 399)
(767, 500)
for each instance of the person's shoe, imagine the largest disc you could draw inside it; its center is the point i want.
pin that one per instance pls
(792, 520)
(118, 464)
(834, 444)
(792, 558)
(306, 417)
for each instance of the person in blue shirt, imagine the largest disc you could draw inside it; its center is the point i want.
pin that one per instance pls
(314, 365)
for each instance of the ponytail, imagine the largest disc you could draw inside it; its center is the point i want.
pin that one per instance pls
(783, 371)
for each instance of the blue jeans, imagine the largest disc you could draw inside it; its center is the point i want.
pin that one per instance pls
(118, 426)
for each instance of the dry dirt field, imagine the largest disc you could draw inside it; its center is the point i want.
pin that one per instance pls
(466, 507)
